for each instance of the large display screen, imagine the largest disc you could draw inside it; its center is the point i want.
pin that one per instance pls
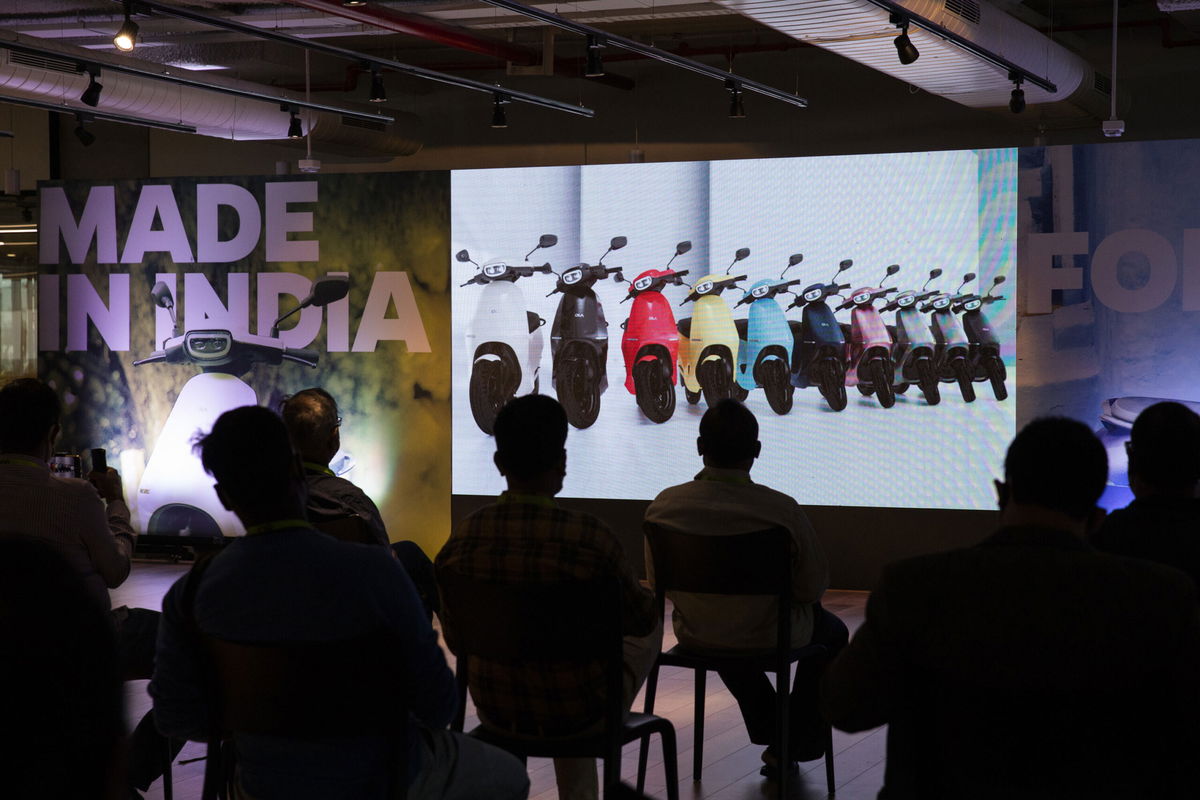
(872, 386)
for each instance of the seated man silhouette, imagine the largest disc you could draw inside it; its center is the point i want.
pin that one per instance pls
(314, 423)
(526, 538)
(1163, 522)
(722, 500)
(284, 582)
(89, 525)
(1030, 665)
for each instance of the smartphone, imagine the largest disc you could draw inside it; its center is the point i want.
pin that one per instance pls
(66, 465)
(99, 464)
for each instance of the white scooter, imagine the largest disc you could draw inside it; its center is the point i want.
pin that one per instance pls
(176, 497)
(504, 339)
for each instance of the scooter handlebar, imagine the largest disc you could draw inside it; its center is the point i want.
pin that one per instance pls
(841, 286)
(302, 355)
(153, 358)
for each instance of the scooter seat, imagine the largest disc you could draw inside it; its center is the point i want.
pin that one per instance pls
(535, 321)
(685, 327)
(743, 328)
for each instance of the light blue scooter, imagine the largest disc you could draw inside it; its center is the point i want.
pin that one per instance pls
(765, 349)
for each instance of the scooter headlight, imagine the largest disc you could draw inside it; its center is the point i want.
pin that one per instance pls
(642, 284)
(494, 270)
(971, 305)
(906, 300)
(813, 295)
(207, 345)
(941, 302)
(571, 276)
(861, 298)
(761, 291)
(704, 288)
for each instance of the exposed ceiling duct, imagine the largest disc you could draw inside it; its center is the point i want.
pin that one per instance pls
(863, 30)
(56, 76)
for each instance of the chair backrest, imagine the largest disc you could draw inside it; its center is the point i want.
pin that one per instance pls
(758, 563)
(564, 621)
(350, 687)
(349, 528)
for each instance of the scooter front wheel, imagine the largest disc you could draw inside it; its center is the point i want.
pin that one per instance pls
(777, 385)
(928, 382)
(880, 374)
(996, 374)
(654, 390)
(962, 373)
(692, 397)
(579, 391)
(833, 385)
(487, 397)
(716, 381)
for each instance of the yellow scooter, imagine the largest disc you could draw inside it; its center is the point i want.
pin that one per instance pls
(708, 340)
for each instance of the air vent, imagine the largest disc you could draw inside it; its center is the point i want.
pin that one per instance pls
(1102, 84)
(43, 62)
(365, 124)
(967, 9)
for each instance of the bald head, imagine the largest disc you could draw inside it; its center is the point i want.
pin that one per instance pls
(311, 417)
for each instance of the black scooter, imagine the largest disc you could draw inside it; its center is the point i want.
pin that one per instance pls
(819, 347)
(985, 347)
(579, 339)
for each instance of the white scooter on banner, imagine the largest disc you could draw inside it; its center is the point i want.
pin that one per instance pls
(176, 497)
(504, 339)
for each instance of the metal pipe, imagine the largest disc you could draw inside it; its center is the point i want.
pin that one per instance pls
(353, 55)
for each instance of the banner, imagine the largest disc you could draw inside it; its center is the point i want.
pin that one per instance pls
(157, 304)
(1110, 266)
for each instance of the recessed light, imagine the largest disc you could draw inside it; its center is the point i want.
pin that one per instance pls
(195, 67)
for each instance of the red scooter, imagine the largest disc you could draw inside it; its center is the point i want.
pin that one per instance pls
(869, 343)
(651, 340)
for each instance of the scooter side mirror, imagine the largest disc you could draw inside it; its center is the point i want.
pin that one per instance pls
(162, 296)
(999, 279)
(893, 269)
(683, 247)
(617, 242)
(547, 240)
(935, 273)
(795, 258)
(462, 256)
(327, 290)
(742, 253)
(970, 276)
(845, 265)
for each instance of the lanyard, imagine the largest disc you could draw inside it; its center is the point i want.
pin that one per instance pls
(318, 468)
(21, 461)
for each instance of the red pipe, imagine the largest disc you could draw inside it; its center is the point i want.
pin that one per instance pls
(424, 28)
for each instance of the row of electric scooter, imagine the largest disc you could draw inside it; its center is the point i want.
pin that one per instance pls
(716, 356)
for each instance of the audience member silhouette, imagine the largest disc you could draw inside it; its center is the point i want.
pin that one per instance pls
(525, 537)
(723, 500)
(1030, 665)
(88, 524)
(314, 423)
(284, 582)
(60, 687)
(1163, 522)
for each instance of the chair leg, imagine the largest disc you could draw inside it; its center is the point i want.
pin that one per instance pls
(783, 688)
(644, 746)
(670, 762)
(612, 775)
(698, 727)
(829, 782)
(168, 790)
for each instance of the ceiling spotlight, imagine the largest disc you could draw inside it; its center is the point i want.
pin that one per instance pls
(85, 137)
(91, 95)
(499, 117)
(378, 94)
(1016, 103)
(353, 3)
(736, 109)
(126, 36)
(905, 49)
(295, 131)
(594, 67)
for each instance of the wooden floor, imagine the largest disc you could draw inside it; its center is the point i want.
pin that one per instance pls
(731, 763)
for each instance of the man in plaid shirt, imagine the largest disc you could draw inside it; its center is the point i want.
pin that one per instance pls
(526, 538)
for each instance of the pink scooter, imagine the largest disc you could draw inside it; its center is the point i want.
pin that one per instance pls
(869, 343)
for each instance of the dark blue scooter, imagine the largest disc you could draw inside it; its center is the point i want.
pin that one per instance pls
(819, 347)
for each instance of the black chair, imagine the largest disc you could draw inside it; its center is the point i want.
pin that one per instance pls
(304, 691)
(569, 621)
(758, 563)
(347, 528)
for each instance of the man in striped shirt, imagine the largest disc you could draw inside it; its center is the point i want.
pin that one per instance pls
(526, 538)
(89, 524)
